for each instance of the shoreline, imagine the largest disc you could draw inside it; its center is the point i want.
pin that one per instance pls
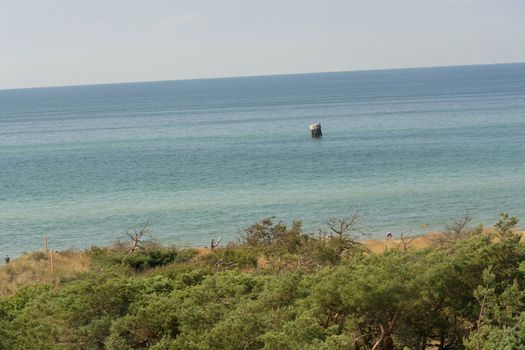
(375, 244)
(37, 267)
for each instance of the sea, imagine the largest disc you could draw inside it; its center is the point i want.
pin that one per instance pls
(410, 150)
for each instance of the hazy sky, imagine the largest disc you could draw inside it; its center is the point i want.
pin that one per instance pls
(65, 42)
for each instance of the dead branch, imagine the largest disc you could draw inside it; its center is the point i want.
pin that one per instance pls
(459, 227)
(343, 225)
(214, 244)
(405, 242)
(137, 238)
(456, 230)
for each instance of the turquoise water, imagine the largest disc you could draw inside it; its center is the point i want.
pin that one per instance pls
(203, 158)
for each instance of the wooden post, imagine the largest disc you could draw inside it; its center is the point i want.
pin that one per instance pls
(52, 263)
(45, 244)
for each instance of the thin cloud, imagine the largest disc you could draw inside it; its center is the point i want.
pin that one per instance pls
(183, 18)
(186, 17)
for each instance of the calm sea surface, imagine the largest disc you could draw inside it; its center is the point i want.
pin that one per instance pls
(203, 158)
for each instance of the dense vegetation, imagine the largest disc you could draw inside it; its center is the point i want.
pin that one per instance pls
(279, 288)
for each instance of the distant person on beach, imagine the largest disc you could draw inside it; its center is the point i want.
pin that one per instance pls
(389, 235)
(7, 259)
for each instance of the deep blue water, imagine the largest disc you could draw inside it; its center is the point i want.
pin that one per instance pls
(202, 158)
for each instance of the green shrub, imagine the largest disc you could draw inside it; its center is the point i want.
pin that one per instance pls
(140, 260)
(469, 293)
(232, 257)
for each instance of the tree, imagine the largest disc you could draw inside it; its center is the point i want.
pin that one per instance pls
(501, 320)
(504, 227)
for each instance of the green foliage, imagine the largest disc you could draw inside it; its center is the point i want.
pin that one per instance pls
(140, 260)
(504, 227)
(311, 294)
(10, 306)
(233, 257)
(501, 320)
(276, 235)
(148, 321)
(263, 233)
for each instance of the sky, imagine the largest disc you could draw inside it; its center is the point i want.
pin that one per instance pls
(72, 42)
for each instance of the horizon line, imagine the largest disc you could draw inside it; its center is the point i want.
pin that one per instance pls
(256, 76)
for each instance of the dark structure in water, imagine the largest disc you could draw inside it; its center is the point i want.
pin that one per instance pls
(315, 130)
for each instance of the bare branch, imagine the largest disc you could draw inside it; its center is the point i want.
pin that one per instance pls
(458, 229)
(406, 241)
(137, 238)
(214, 244)
(343, 225)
